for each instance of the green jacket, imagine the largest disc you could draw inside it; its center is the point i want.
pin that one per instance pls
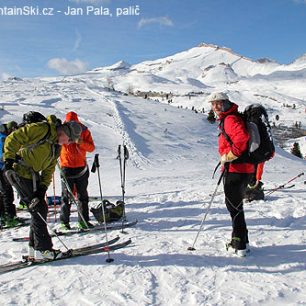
(23, 144)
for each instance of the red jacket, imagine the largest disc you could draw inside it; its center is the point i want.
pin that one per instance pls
(73, 155)
(235, 128)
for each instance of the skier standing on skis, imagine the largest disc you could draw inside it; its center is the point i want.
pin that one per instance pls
(7, 207)
(30, 155)
(237, 173)
(74, 167)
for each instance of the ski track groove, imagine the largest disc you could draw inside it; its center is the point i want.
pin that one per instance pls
(136, 156)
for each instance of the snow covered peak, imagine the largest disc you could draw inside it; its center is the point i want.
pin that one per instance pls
(300, 60)
(119, 65)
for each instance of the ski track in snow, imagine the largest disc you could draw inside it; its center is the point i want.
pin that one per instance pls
(124, 128)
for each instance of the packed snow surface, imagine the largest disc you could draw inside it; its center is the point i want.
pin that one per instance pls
(173, 152)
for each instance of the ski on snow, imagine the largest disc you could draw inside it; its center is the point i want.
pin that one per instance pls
(87, 248)
(109, 227)
(279, 188)
(92, 249)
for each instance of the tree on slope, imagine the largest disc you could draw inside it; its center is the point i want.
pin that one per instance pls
(295, 150)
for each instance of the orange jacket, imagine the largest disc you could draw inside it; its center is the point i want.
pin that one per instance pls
(259, 171)
(73, 155)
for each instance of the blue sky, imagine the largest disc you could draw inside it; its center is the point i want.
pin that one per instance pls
(60, 44)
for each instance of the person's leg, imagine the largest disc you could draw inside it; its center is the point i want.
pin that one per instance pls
(39, 235)
(66, 204)
(81, 186)
(234, 187)
(7, 196)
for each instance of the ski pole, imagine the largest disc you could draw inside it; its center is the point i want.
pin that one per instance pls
(122, 177)
(207, 210)
(120, 169)
(96, 165)
(64, 180)
(53, 232)
(125, 158)
(283, 185)
(54, 199)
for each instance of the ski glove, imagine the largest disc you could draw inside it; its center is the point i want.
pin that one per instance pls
(8, 164)
(38, 198)
(227, 158)
(257, 185)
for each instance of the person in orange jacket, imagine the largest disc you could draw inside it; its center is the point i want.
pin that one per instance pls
(74, 167)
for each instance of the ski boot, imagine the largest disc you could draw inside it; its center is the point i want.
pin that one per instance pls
(47, 255)
(84, 226)
(238, 247)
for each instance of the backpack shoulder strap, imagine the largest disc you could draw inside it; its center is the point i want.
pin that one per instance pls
(222, 131)
(45, 138)
(42, 140)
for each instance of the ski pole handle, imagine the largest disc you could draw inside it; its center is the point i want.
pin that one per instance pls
(126, 152)
(302, 173)
(119, 152)
(95, 164)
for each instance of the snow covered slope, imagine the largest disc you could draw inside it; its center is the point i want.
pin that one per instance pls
(173, 152)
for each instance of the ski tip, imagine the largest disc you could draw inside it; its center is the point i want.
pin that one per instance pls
(191, 249)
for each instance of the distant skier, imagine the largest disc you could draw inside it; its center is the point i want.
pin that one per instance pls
(7, 207)
(74, 166)
(237, 174)
(30, 155)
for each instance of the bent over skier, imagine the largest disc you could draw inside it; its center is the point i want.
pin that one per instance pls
(237, 173)
(74, 167)
(30, 155)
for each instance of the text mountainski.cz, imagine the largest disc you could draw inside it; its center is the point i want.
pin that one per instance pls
(89, 10)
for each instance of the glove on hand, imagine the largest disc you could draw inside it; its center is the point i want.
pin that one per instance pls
(258, 185)
(227, 158)
(253, 185)
(8, 164)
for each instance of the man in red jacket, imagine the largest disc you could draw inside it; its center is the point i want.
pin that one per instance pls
(75, 169)
(233, 142)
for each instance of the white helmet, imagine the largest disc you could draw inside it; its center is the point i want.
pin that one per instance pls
(217, 96)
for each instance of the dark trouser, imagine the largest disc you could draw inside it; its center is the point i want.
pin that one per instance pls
(7, 209)
(80, 184)
(39, 235)
(235, 185)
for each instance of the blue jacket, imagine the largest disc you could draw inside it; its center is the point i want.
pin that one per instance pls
(2, 139)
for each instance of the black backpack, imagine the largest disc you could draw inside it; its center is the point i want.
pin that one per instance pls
(261, 146)
(113, 212)
(33, 117)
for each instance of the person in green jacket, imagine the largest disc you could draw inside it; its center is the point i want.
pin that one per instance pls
(30, 156)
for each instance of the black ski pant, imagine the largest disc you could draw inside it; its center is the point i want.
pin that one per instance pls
(39, 235)
(75, 179)
(7, 207)
(235, 185)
